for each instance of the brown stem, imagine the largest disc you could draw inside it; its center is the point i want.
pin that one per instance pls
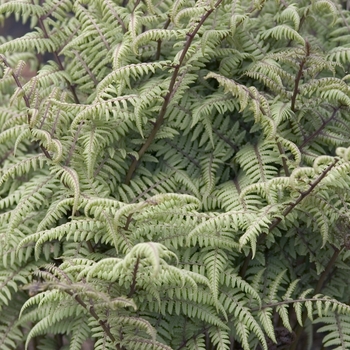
(159, 43)
(286, 211)
(71, 87)
(73, 145)
(299, 75)
(26, 101)
(303, 195)
(128, 221)
(136, 4)
(318, 131)
(57, 59)
(91, 310)
(168, 96)
(134, 278)
(284, 161)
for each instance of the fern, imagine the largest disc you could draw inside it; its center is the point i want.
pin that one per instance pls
(175, 175)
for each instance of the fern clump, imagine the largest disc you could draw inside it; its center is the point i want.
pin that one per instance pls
(175, 175)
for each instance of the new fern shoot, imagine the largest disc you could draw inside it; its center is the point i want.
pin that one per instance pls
(176, 175)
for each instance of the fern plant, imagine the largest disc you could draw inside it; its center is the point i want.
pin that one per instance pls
(176, 175)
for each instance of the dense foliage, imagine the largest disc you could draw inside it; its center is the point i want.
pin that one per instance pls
(175, 175)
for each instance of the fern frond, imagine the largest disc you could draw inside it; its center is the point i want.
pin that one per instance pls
(337, 328)
(69, 177)
(291, 13)
(22, 7)
(283, 31)
(215, 262)
(23, 166)
(134, 71)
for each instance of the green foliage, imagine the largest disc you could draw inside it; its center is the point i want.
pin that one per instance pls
(175, 175)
